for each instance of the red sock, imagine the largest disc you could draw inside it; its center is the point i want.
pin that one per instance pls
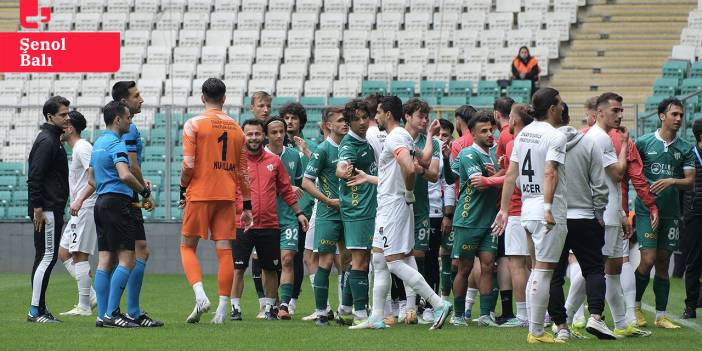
(225, 274)
(191, 265)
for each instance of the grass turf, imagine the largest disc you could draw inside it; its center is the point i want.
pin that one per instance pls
(168, 297)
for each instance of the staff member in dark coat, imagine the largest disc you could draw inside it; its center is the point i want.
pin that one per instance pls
(48, 193)
(693, 236)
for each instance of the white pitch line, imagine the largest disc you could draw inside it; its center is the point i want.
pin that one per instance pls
(688, 324)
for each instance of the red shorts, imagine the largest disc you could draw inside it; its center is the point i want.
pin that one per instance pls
(214, 220)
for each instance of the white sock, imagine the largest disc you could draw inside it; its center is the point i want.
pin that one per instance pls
(338, 287)
(388, 305)
(312, 282)
(199, 292)
(580, 313)
(628, 281)
(576, 296)
(415, 280)
(69, 267)
(381, 286)
(660, 314)
(82, 275)
(471, 293)
(539, 293)
(261, 302)
(615, 300)
(222, 307)
(236, 302)
(522, 311)
(409, 292)
(526, 296)
(362, 314)
(293, 304)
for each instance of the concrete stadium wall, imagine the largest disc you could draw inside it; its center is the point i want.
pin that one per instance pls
(17, 249)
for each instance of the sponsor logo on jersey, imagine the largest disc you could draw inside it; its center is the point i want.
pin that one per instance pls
(650, 236)
(269, 167)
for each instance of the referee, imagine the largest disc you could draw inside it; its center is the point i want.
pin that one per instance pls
(48, 193)
(116, 228)
(693, 239)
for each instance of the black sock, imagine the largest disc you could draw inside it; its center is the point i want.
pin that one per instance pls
(506, 297)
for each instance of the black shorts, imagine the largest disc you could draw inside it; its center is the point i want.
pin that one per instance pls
(114, 223)
(500, 246)
(266, 242)
(138, 221)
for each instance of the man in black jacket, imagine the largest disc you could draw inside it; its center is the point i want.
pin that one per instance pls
(48, 193)
(693, 239)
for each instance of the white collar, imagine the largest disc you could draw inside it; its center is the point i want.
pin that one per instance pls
(475, 146)
(269, 150)
(331, 141)
(356, 136)
(666, 144)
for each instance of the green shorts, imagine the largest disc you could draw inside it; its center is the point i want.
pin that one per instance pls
(665, 238)
(327, 234)
(421, 234)
(289, 236)
(447, 241)
(469, 241)
(358, 235)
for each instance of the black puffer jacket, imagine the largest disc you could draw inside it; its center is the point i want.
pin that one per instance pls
(48, 171)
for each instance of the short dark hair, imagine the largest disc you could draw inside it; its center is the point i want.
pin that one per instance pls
(77, 120)
(214, 89)
(446, 124)
(565, 116)
(253, 122)
(112, 110)
(271, 120)
(697, 129)
(465, 113)
(525, 112)
(415, 104)
(372, 101)
(121, 89)
(664, 105)
(481, 117)
(329, 111)
(542, 100)
(260, 95)
(296, 110)
(503, 105)
(605, 98)
(52, 105)
(392, 104)
(354, 105)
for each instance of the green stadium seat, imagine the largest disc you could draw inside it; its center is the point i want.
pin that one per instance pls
(431, 100)
(8, 182)
(488, 88)
(245, 115)
(454, 100)
(17, 212)
(519, 88)
(402, 88)
(338, 101)
(279, 101)
(691, 85)
(482, 101)
(175, 182)
(158, 213)
(374, 86)
(5, 197)
(666, 86)
(431, 88)
(653, 101)
(696, 70)
(10, 168)
(692, 104)
(20, 198)
(460, 88)
(158, 136)
(313, 106)
(521, 99)
(675, 69)
(155, 153)
(152, 169)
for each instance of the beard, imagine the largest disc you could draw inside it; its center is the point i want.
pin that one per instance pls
(253, 147)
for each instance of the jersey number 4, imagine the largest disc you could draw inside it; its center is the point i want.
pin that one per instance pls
(527, 170)
(223, 139)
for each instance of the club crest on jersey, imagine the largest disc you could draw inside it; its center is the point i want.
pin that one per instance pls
(291, 164)
(676, 155)
(269, 167)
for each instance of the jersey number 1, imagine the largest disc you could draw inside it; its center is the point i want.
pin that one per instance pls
(223, 139)
(526, 167)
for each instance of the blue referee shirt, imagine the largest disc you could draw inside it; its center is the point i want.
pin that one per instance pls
(107, 152)
(132, 140)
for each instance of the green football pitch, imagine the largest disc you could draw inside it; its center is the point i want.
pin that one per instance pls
(169, 298)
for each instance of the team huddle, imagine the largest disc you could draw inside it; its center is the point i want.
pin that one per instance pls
(389, 199)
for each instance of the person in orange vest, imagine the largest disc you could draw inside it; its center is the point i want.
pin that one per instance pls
(525, 67)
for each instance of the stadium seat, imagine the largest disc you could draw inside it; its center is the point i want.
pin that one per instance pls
(482, 101)
(374, 86)
(696, 70)
(8, 182)
(453, 100)
(689, 85)
(520, 88)
(402, 88)
(15, 212)
(666, 86)
(11, 168)
(463, 88)
(488, 88)
(675, 69)
(431, 88)
(653, 101)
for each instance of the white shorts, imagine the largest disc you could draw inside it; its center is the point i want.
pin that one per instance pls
(516, 243)
(394, 228)
(547, 246)
(80, 234)
(614, 243)
(309, 236)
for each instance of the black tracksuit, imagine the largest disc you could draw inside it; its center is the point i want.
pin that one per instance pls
(692, 242)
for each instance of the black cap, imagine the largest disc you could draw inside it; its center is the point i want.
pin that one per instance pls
(77, 121)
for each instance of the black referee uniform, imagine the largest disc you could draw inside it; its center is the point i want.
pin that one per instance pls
(48, 189)
(692, 246)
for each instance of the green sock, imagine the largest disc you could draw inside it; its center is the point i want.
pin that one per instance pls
(321, 288)
(358, 281)
(346, 295)
(446, 278)
(641, 284)
(486, 304)
(494, 294)
(661, 288)
(286, 292)
(459, 305)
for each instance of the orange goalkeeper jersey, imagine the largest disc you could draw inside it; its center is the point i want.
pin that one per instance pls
(213, 146)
